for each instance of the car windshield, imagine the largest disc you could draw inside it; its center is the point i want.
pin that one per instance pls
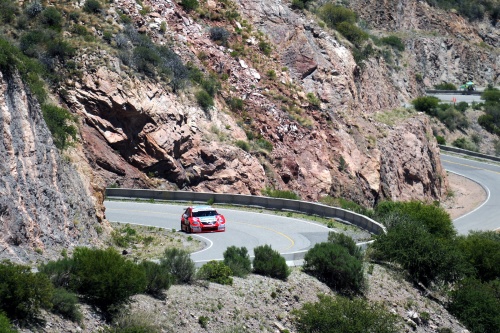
(204, 213)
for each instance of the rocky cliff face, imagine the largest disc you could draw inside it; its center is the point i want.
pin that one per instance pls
(442, 46)
(45, 204)
(136, 133)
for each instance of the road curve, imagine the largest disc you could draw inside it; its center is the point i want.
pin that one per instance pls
(486, 216)
(291, 237)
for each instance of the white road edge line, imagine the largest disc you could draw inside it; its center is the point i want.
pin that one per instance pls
(207, 248)
(482, 185)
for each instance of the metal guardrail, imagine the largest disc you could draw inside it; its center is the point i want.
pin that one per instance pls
(469, 153)
(456, 92)
(305, 207)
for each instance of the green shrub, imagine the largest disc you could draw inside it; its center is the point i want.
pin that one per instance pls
(426, 104)
(394, 41)
(8, 11)
(58, 121)
(243, 145)
(482, 251)
(313, 100)
(190, 5)
(203, 321)
(427, 258)
(92, 6)
(463, 143)
(264, 144)
(435, 219)
(133, 322)
(52, 18)
(350, 31)
(179, 265)
(104, 278)
(491, 95)
(265, 47)
(269, 262)
(205, 101)
(269, 192)
(59, 271)
(216, 271)
(235, 104)
(452, 118)
(333, 15)
(219, 34)
(65, 303)
(332, 264)
(158, 278)
(60, 49)
(462, 106)
(22, 292)
(476, 305)
(5, 325)
(440, 140)
(343, 315)
(238, 260)
(347, 242)
(445, 86)
(33, 9)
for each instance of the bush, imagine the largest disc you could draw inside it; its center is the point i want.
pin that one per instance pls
(22, 292)
(5, 325)
(52, 18)
(332, 264)
(8, 11)
(269, 192)
(269, 262)
(104, 278)
(58, 121)
(440, 140)
(235, 104)
(92, 6)
(342, 315)
(476, 305)
(33, 9)
(205, 101)
(238, 260)
(265, 48)
(179, 265)
(482, 251)
(135, 322)
(350, 31)
(463, 143)
(264, 144)
(243, 145)
(435, 219)
(333, 15)
(219, 34)
(445, 86)
(462, 106)
(347, 242)
(394, 41)
(426, 104)
(216, 271)
(190, 5)
(427, 258)
(452, 118)
(59, 49)
(65, 303)
(158, 278)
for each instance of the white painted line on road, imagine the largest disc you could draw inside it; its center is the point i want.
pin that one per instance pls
(207, 248)
(482, 185)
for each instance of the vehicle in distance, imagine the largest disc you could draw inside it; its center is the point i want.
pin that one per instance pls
(202, 219)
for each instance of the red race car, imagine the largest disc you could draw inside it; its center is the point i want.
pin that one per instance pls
(202, 218)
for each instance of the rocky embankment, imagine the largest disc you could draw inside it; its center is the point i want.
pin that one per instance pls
(137, 133)
(45, 203)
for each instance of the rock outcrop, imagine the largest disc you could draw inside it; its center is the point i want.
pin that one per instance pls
(137, 133)
(45, 204)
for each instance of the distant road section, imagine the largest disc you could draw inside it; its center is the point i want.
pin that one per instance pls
(458, 96)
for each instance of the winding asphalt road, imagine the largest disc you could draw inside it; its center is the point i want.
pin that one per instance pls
(292, 237)
(487, 215)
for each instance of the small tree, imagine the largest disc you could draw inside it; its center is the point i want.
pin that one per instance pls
(158, 278)
(238, 260)
(22, 292)
(65, 303)
(342, 315)
(332, 264)
(269, 262)
(178, 264)
(190, 5)
(216, 271)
